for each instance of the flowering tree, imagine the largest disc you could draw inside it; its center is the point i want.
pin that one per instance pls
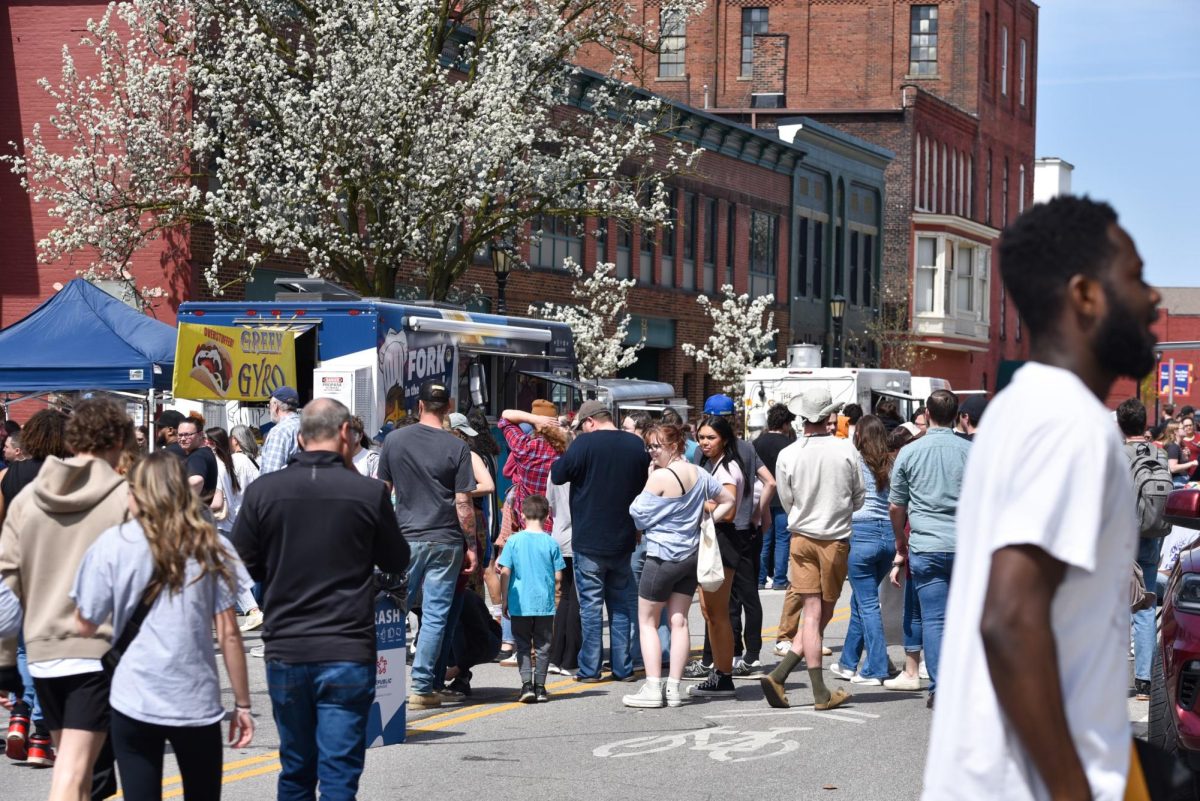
(365, 137)
(743, 337)
(599, 323)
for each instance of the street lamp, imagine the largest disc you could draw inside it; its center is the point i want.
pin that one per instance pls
(837, 312)
(502, 265)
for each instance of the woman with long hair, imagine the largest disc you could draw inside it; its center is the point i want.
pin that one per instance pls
(668, 512)
(872, 549)
(226, 503)
(1179, 460)
(718, 444)
(241, 440)
(166, 688)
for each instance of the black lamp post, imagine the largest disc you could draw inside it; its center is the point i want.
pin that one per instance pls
(502, 265)
(837, 312)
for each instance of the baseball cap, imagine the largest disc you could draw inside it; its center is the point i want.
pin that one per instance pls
(588, 409)
(719, 404)
(434, 392)
(287, 395)
(458, 422)
(973, 407)
(169, 419)
(814, 406)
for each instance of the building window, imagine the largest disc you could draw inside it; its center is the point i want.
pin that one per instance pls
(964, 267)
(945, 181)
(922, 40)
(691, 210)
(1004, 60)
(917, 173)
(764, 247)
(818, 258)
(1004, 195)
(601, 240)
(730, 241)
(670, 229)
(987, 47)
(710, 244)
(801, 288)
(754, 20)
(672, 43)
(1020, 189)
(987, 191)
(1003, 311)
(971, 187)
(1021, 70)
(854, 267)
(839, 261)
(560, 240)
(624, 247)
(868, 272)
(926, 283)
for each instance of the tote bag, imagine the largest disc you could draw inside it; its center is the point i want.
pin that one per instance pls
(709, 570)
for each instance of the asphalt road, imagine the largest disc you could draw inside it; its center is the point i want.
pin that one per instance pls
(585, 742)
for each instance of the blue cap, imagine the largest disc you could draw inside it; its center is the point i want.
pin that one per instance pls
(287, 395)
(719, 404)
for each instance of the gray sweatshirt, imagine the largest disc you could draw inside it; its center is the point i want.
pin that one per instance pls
(819, 485)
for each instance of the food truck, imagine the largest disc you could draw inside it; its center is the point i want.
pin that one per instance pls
(371, 354)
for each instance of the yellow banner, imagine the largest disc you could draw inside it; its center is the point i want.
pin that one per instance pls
(215, 362)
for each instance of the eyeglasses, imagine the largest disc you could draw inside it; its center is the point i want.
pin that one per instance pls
(654, 446)
(188, 436)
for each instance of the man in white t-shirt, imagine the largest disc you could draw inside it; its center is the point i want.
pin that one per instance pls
(1032, 699)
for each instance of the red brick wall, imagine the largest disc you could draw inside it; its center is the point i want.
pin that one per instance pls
(1184, 327)
(32, 35)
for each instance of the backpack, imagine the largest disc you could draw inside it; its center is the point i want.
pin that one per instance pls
(1151, 485)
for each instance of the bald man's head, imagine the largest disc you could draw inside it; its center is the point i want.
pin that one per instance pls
(322, 422)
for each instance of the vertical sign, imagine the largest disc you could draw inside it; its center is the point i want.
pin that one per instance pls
(1182, 379)
(387, 719)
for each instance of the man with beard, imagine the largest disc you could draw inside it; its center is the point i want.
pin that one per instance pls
(1032, 697)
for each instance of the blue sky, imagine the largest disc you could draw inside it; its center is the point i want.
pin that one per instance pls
(1119, 88)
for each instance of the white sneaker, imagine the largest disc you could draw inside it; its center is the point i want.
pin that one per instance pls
(782, 647)
(647, 697)
(864, 681)
(922, 673)
(839, 671)
(903, 681)
(675, 697)
(252, 620)
(826, 652)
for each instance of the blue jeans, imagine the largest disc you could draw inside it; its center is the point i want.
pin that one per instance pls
(872, 549)
(605, 581)
(912, 619)
(931, 579)
(664, 632)
(775, 548)
(432, 574)
(30, 697)
(320, 710)
(1144, 633)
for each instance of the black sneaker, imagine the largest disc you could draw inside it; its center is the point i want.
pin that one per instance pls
(527, 696)
(1141, 689)
(458, 686)
(718, 685)
(696, 670)
(540, 691)
(747, 670)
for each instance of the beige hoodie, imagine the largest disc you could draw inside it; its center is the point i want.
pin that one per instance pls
(49, 527)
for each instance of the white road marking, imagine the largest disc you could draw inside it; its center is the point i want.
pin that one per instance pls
(721, 744)
(812, 712)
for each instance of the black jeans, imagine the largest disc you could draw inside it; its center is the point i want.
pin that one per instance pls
(139, 749)
(568, 630)
(743, 598)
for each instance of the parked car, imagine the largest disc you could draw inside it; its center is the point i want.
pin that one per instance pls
(1174, 716)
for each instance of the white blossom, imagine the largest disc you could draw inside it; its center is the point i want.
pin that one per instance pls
(337, 131)
(743, 337)
(599, 322)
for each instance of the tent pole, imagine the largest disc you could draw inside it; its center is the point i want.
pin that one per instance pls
(150, 419)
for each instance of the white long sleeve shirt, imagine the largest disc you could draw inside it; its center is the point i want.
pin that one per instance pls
(820, 485)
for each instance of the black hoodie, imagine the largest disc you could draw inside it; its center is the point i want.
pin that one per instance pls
(312, 533)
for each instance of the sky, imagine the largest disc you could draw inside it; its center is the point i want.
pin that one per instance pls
(1119, 89)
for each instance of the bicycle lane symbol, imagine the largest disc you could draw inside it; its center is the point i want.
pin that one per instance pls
(720, 743)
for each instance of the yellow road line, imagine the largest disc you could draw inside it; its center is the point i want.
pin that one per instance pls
(234, 777)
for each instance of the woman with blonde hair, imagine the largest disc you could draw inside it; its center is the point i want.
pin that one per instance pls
(166, 688)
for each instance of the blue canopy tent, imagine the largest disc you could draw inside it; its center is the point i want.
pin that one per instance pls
(82, 338)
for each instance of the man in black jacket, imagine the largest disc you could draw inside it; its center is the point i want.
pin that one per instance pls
(311, 533)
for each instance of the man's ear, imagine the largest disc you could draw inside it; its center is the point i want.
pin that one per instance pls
(300, 441)
(1086, 297)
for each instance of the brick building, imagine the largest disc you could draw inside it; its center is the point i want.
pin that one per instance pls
(755, 212)
(1179, 322)
(947, 86)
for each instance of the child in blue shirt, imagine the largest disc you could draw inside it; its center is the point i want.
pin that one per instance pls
(531, 566)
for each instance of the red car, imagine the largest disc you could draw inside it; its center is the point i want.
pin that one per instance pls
(1174, 720)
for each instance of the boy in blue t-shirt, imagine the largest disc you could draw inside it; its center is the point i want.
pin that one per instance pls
(531, 566)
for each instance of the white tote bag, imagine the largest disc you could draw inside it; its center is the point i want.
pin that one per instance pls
(709, 570)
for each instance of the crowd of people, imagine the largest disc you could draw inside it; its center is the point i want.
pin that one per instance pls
(118, 565)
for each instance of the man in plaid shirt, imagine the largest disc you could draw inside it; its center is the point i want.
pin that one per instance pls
(530, 456)
(281, 445)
